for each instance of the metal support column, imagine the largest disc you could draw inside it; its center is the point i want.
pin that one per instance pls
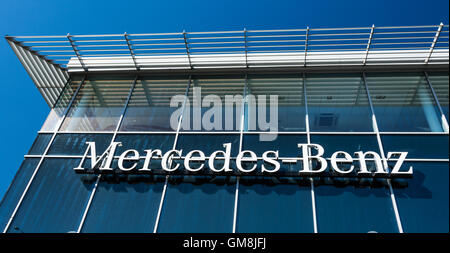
(383, 157)
(166, 182)
(91, 197)
(444, 121)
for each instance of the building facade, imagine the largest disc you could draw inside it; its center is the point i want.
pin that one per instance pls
(382, 90)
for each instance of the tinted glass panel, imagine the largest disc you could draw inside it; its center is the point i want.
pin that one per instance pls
(423, 200)
(286, 144)
(56, 199)
(124, 204)
(403, 103)
(149, 108)
(40, 144)
(274, 206)
(208, 143)
(58, 109)
(75, 144)
(288, 114)
(439, 81)
(140, 142)
(15, 190)
(211, 105)
(338, 103)
(348, 143)
(345, 208)
(198, 205)
(417, 146)
(98, 105)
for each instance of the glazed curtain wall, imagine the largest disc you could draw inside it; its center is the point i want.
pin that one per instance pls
(350, 112)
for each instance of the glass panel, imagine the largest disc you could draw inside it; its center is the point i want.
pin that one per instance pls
(290, 100)
(198, 205)
(140, 142)
(439, 81)
(209, 109)
(98, 105)
(56, 199)
(403, 103)
(40, 144)
(15, 190)
(423, 200)
(57, 111)
(347, 206)
(208, 143)
(338, 103)
(274, 205)
(75, 144)
(286, 144)
(149, 107)
(348, 143)
(417, 146)
(124, 204)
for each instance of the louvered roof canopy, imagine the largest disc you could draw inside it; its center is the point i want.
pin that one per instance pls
(49, 59)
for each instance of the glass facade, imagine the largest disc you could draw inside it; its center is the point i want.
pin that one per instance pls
(334, 110)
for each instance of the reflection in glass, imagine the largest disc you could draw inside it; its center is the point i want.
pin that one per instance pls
(98, 105)
(149, 107)
(124, 206)
(208, 143)
(75, 144)
(403, 103)
(56, 113)
(347, 206)
(290, 106)
(11, 198)
(214, 104)
(348, 143)
(439, 81)
(55, 201)
(338, 103)
(140, 142)
(286, 144)
(423, 200)
(40, 144)
(417, 146)
(198, 205)
(274, 205)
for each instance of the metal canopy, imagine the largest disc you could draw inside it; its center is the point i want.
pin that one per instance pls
(48, 59)
(48, 77)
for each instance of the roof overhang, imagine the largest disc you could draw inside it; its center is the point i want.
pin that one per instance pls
(260, 60)
(50, 60)
(48, 77)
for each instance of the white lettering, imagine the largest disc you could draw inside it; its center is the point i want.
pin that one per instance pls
(240, 158)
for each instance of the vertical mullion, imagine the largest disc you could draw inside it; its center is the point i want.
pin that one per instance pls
(163, 194)
(58, 125)
(69, 80)
(91, 197)
(308, 137)
(443, 119)
(383, 157)
(241, 136)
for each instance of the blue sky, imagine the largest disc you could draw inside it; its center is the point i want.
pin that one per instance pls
(23, 108)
